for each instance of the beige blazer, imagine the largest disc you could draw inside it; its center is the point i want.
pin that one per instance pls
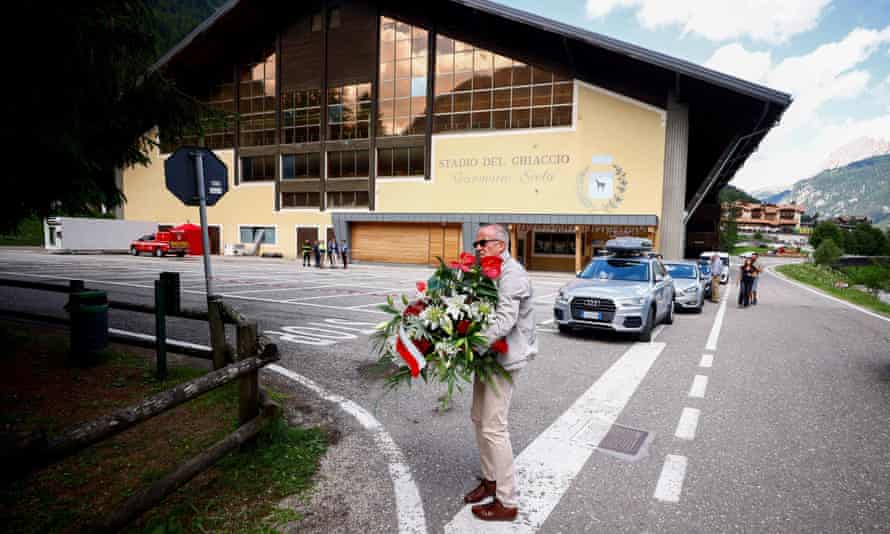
(514, 318)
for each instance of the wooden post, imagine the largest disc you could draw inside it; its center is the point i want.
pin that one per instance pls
(160, 329)
(579, 248)
(248, 386)
(217, 332)
(513, 248)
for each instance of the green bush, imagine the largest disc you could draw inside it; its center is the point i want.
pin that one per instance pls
(827, 253)
(827, 230)
(874, 277)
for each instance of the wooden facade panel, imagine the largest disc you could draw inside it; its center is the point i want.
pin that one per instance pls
(390, 242)
(301, 54)
(300, 186)
(550, 263)
(452, 243)
(359, 184)
(437, 243)
(352, 46)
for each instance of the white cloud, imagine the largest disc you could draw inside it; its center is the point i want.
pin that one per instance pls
(832, 72)
(721, 20)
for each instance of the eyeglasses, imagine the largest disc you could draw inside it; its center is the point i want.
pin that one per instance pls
(483, 242)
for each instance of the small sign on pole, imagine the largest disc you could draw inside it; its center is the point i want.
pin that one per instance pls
(197, 177)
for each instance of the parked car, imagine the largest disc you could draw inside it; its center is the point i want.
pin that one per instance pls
(689, 285)
(626, 291)
(161, 243)
(724, 257)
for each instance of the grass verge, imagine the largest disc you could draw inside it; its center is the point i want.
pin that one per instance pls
(824, 278)
(38, 389)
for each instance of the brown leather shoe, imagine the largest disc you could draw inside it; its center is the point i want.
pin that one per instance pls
(484, 490)
(495, 511)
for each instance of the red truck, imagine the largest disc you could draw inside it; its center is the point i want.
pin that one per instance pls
(160, 244)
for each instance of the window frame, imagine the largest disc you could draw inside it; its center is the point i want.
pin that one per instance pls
(255, 226)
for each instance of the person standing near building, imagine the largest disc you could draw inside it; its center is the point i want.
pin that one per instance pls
(330, 250)
(317, 252)
(716, 267)
(333, 251)
(748, 273)
(758, 271)
(344, 252)
(307, 253)
(321, 253)
(514, 320)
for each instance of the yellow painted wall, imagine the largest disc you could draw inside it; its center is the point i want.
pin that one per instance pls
(247, 204)
(486, 172)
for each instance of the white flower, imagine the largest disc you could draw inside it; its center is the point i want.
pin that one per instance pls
(454, 306)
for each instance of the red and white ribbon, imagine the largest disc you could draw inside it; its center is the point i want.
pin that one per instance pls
(413, 357)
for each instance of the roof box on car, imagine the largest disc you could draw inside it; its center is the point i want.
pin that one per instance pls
(629, 245)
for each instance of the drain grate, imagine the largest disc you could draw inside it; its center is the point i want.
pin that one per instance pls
(624, 442)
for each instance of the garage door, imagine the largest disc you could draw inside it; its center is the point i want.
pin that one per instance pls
(405, 242)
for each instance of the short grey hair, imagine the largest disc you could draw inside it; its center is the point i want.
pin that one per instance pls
(500, 233)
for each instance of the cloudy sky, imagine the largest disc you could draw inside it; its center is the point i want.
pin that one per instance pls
(833, 56)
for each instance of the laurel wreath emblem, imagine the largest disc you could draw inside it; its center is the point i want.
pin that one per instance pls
(617, 196)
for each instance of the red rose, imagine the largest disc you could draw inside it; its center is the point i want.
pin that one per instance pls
(500, 346)
(491, 266)
(454, 265)
(423, 345)
(463, 326)
(467, 259)
(414, 309)
(421, 286)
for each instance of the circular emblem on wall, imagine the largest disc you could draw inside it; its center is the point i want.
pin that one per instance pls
(601, 187)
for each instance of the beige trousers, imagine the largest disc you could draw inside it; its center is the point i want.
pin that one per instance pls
(715, 288)
(489, 416)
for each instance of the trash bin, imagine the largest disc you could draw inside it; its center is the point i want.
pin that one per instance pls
(89, 322)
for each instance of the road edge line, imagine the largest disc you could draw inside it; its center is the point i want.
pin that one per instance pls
(771, 270)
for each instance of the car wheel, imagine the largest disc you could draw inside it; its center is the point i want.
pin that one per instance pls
(180, 254)
(133, 251)
(646, 334)
(564, 329)
(158, 252)
(669, 318)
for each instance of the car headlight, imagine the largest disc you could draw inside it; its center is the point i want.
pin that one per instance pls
(632, 301)
(691, 290)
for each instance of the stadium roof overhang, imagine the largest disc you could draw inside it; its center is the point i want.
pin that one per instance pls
(728, 116)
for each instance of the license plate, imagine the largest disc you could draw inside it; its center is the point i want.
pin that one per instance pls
(592, 315)
(179, 244)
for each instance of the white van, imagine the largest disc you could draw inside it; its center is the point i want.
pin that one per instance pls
(724, 257)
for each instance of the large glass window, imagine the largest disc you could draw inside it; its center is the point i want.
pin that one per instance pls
(257, 168)
(477, 89)
(348, 164)
(250, 234)
(407, 161)
(554, 243)
(256, 103)
(300, 200)
(403, 78)
(349, 111)
(300, 166)
(219, 133)
(301, 116)
(347, 199)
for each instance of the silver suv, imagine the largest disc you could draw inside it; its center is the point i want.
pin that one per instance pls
(625, 291)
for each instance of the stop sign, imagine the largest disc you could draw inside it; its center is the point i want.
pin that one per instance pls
(180, 175)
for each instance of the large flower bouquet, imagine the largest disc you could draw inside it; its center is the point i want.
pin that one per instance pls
(437, 334)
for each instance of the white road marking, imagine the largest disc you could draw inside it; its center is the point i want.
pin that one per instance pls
(829, 297)
(707, 360)
(687, 424)
(548, 321)
(546, 468)
(718, 324)
(149, 337)
(670, 482)
(409, 506)
(657, 331)
(699, 386)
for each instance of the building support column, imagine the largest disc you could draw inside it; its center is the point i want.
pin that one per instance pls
(672, 230)
(579, 248)
(513, 249)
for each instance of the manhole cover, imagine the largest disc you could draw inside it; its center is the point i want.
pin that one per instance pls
(624, 440)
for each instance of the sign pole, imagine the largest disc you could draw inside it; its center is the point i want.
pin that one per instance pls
(205, 236)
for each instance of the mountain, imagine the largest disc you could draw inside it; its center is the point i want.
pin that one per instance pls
(731, 193)
(859, 188)
(176, 18)
(856, 150)
(773, 195)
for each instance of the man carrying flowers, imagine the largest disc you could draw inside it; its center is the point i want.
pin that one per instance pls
(511, 334)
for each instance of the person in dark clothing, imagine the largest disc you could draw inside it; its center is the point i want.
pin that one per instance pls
(307, 254)
(330, 250)
(344, 252)
(317, 252)
(746, 281)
